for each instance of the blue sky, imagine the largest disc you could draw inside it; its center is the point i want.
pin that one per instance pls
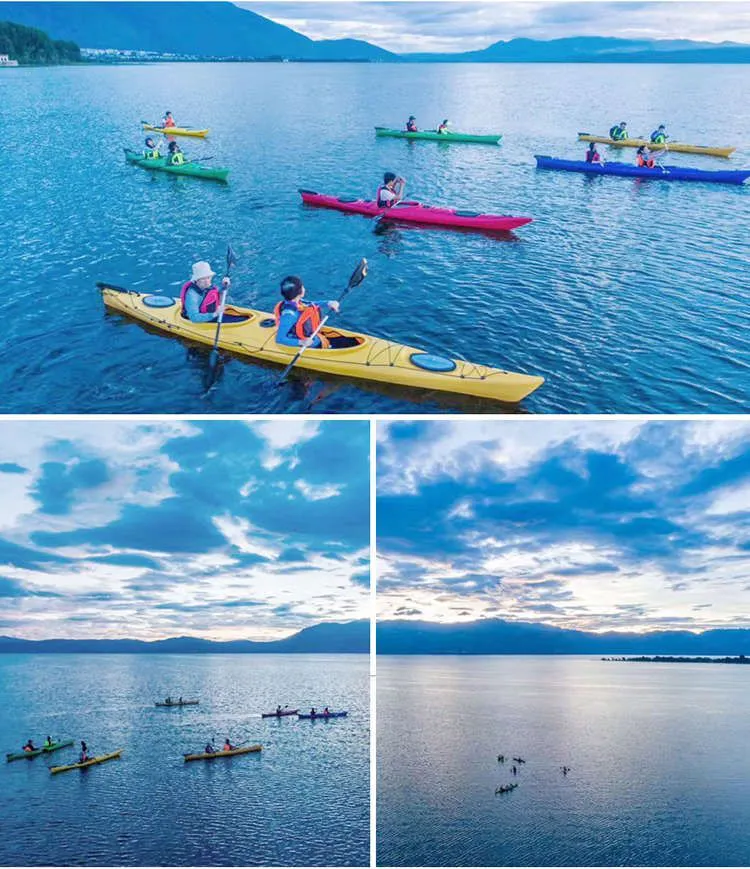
(466, 25)
(597, 525)
(222, 530)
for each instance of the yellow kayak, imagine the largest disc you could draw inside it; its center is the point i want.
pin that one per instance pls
(370, 359)
(203, 756)
(670, 146)
(177, 131)
(92, 762)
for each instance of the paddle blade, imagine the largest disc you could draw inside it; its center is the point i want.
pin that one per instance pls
(231, 258)
(358, 275)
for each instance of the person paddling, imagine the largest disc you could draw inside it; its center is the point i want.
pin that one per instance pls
(209, 749)
(411, 125)
(619, 132)
(168, 120)
(645, 158)
(659, 136)
(228, 745)
(29, 746)
(297, 320)
(175, 157)
(84, 755)
(200, 298)
(443, 128)
(592, 155)
(151, 151)
(49, 742)
(391, 190)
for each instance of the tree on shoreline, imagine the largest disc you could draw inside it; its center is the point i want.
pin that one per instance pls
(28, 45)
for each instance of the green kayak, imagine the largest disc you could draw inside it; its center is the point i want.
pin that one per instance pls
(37, 751)
(195, 170)
(434, 136)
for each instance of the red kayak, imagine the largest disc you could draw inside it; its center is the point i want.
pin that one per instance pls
(279, 714)
(415, 212)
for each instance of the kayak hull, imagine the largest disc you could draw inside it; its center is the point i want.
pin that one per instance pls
(93, 762)
(194, 170)
(416, 212)
(317, 717)
(177, 131)
(671, 146)
(23, 755)
(434, 136)
(184, 703)
(371, 359)
(280, 714)
(664, 173)
(235, 751)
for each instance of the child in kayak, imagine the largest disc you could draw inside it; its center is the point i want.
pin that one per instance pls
(297, 320)
(200, 300)
(592, 155)
(49, 742)
(645, 158)
(29, 746)
(175, 157)
(391, 191)
(443, 128)
(168, 120)
(659, 136)
(84, 755)
(411, 125)
(151, 151)
(618, 132)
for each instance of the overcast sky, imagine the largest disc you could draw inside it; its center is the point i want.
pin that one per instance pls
(594, 525)
(430, 25)
(221, 530)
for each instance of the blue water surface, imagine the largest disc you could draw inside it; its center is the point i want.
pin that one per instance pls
(302, 801)
(627, 295)
(660, 773)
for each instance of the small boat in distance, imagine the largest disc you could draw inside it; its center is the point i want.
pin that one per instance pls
(168, 702)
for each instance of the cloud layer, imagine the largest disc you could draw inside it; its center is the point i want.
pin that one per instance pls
(466, 25)
(222, 530)
(598, 525)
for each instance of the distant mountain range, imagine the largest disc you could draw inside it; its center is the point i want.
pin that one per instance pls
(344, 638)
(223, 30)
(497, 637)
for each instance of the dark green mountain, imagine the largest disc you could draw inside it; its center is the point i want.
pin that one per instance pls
(30, 45)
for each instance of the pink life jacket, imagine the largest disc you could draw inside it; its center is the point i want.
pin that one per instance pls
(211, 299)
(385, 204)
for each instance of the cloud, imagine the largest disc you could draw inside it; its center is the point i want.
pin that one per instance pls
(429, 26)
(182, 528)
(587, 524)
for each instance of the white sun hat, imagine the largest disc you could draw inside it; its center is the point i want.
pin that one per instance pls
(201, 270)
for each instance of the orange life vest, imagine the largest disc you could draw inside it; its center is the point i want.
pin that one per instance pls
(308, 319)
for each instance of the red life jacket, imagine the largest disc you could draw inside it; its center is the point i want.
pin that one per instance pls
(210, 302)
(649, 164)
(308, 319)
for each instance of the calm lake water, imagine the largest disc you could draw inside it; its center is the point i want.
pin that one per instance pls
(627, 296)
(660, 773)
(304, 801)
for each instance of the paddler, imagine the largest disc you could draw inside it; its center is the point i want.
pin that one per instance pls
(592, 155)
(659, 136)
(297, 320)
(48, 742)
(209, 749)
(619, 132)
(201, 299)
(151, 151)
(29, 746)
(168, 120)
(228, 745)
(443, 128)
(645, 158)
(175, 157)
(411, 125)
(391, 191)
(84, 755)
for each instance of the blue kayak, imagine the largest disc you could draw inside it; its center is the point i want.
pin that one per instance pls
(323, 715)
(660, 173)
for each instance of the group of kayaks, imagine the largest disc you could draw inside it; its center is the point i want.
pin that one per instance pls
(56, 746)
(163, 163)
